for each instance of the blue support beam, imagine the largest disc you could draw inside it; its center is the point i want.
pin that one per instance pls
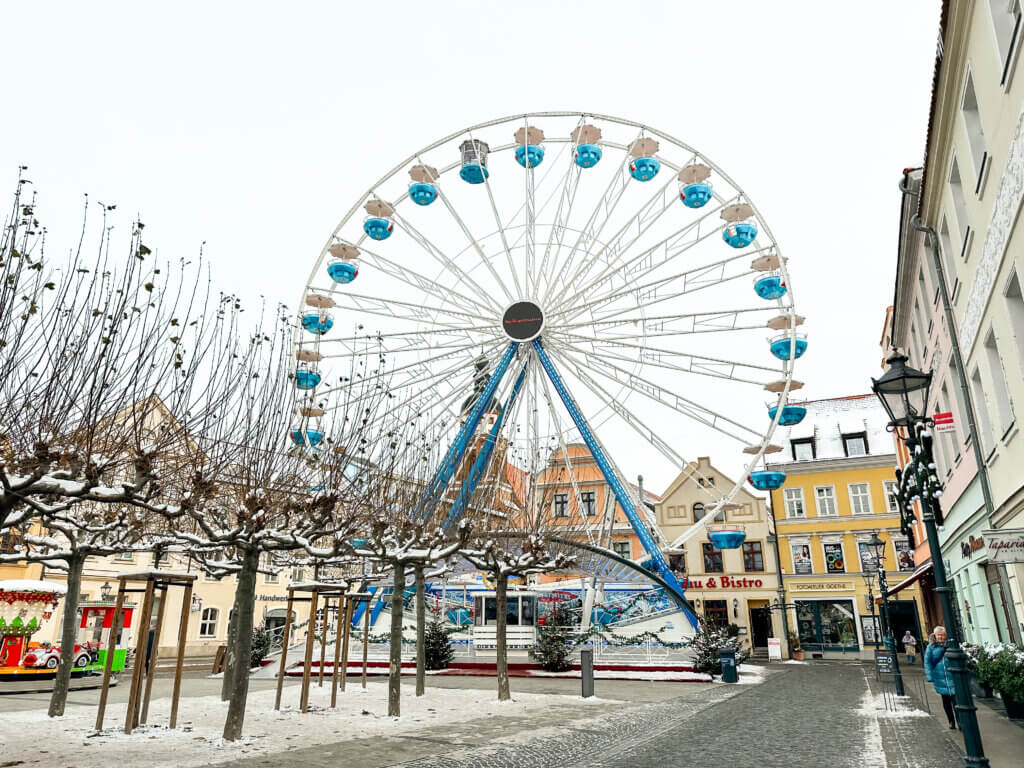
(646, 540)
(432, 495)
(484, 457)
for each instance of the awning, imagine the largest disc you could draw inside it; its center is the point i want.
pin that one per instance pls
(915, 576)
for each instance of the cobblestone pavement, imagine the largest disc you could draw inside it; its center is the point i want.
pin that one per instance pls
(815, 716)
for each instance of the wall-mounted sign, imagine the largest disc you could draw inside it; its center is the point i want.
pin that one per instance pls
(1004, 546)
(722, 582)
(971, 545)
(822, 586)
(944, 422)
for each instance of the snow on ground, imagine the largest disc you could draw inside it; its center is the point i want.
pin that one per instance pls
(873, 704)
(615, 674)
(71, 741)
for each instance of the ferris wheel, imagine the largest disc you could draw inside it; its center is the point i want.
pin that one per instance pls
(560, 278)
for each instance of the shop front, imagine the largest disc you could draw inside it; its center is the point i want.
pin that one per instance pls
(742, 599)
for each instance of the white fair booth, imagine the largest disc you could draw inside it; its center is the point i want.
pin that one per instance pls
(520, 619)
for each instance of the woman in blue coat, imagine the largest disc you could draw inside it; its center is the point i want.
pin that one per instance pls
(936, 672)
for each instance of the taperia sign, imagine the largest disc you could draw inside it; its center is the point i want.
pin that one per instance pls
(1005, 545)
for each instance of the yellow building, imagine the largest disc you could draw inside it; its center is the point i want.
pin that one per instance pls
(839, 490)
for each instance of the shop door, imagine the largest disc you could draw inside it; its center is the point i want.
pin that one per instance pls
(903, 616)
(1004, 622)
(760, 626)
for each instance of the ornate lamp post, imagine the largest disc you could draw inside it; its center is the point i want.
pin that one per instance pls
(903, 392)
(877, 547)
(869, 580)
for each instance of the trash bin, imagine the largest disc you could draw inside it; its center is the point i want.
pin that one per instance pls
(728, 661)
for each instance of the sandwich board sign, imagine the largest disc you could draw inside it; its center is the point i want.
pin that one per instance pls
(774, 648)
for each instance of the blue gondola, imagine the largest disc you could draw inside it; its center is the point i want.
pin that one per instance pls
(731, 538)
(695, 195)
(317, 323)
(422, 193)
(740, 234)
(306, 379)
(342, 271)
(765, 480)
(530, 154)
(378, 227)
(474, 161)
(770, 287)
(587, 155)
(781, 346)
(314, 437)
(791, 414)
(644, 168)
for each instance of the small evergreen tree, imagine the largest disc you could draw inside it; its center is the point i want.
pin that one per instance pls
(260, 646)
(706, 644)
(437, 644)
(553, 648)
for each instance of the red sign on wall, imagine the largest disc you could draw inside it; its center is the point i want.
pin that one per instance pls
(943, 422)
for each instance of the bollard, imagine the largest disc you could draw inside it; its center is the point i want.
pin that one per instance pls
(728, 662)
(587, 672)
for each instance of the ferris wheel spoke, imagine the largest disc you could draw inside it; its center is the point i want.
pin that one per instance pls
(650, 259)
(416, 312)
(673, 400)
(440, 292)
(610, 253)
(476, 245)
(598, 218)
(560, 225)
(692, 322)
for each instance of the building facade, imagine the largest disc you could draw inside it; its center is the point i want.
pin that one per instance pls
(961, 231)
(839, 490)
(727, 586)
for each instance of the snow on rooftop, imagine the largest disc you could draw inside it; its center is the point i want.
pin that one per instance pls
(32, 585)
(829, 420)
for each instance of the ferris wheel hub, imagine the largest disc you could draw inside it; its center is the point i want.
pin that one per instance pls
(522, 321)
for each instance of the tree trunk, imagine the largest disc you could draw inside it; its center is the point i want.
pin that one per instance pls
(245, 602)
(395, 667)
(501, 614)
(421, 631)
(68, 630)
(227, 682)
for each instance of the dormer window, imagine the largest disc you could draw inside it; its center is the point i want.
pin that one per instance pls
(856, 444)
(803, 450)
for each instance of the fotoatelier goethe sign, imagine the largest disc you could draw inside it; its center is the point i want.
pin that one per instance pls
(1004, 546)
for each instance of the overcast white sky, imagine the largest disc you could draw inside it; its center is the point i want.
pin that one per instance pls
(253, 128)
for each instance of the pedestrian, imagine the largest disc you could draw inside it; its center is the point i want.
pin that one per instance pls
(910, 647)
(937, 673)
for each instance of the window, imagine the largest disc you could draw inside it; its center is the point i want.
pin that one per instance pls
(860, 498)
(621, 548)
(698, 512)
(753, 557)
(589, 501)
(1006, 15)
(716, 612)
(706, 482)
(825, 501)
(10, 541)
(561, 505)
(867, 557)
(125, 557)
(803, 450)
(984, 424)
(801, 558)
(946, 251)
(1000, 393)
(892, 502)
(975, 134)
(161, 558)
(1015, 312)
(208, 622)
(677, 561)
(298, 573)
(834, 557)
(826, 624)
(856, 444)
(794, 498)
(712, 558)
(679, 511)
(956, 189)
(271, 577)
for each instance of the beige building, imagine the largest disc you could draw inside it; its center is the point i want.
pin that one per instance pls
(968, 199)
(734, 586)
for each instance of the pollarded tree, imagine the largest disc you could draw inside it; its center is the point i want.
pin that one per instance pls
(106, 363)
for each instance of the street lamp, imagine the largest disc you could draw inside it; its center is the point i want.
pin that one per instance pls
(869, 579)
(903, 392)
(106, 592)
(877, 547)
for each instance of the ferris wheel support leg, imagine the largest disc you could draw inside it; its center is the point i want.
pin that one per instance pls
(458, 447)
(484, 457)
(646, 540)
